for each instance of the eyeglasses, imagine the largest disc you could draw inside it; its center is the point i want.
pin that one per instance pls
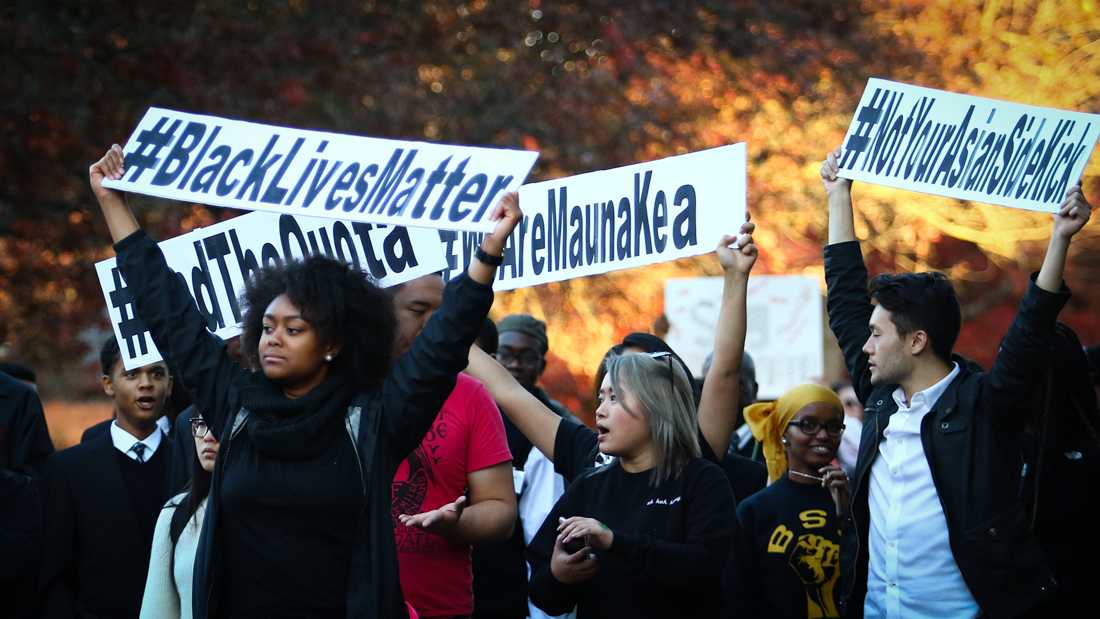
(666, 355)
(523, 357)
(810, 427)
(199, 429)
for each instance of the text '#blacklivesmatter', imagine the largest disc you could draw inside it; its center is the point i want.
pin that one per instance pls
(196, 163)
(1030, 157)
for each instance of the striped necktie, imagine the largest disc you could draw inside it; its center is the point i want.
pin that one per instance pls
(139, 451)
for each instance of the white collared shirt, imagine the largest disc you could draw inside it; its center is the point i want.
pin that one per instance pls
(124, 441)
(912, 570)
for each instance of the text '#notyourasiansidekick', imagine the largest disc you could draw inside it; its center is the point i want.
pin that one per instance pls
(997, 150)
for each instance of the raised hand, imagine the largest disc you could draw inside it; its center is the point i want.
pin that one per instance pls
(738, 254)
(830, 170)
(1073, 213)
(110, 166)
(507, 215)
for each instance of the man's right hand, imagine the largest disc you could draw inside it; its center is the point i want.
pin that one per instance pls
(830, 169)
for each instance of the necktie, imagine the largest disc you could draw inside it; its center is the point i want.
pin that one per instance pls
(139, 451)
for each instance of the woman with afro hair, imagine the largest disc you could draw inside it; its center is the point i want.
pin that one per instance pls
(298, 519)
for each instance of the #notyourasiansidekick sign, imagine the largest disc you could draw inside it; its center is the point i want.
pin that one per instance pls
(617, 219)
(216, 261)
(967, 147)
(221, 162)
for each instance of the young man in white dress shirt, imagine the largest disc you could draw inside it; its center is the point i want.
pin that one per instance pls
(942, 530)
(103, 497)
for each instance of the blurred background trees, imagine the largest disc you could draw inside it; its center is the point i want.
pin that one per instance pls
(590, 84)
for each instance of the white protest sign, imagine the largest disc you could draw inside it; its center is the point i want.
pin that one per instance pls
(617, 219)
(222, 162)
(786, 327)
(216, 261)
(966, 147)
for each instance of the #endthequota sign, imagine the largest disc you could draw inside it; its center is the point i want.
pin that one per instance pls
(216, 261)
(617, 219)
(250, 166)
(966, 147)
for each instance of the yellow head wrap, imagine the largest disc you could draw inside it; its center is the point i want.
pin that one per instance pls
(768, 421)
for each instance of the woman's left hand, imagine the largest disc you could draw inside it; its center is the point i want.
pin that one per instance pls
(836, 481)
(599, 536)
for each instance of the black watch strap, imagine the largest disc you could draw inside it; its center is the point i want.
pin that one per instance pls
(489, 259)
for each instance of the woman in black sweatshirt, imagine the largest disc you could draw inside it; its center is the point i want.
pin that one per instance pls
(648, 534)
(298, 519)
(787, 550)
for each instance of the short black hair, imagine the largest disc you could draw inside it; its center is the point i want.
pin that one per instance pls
(18, 370)
(109, 355)
(488, 339)
(921, 302)
(342, 303)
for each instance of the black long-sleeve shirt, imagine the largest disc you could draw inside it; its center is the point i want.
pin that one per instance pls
(670, 544)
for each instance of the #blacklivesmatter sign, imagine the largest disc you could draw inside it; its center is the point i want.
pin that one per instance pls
(216, 261)
(221, 162)
(966, 147)
(617, 219)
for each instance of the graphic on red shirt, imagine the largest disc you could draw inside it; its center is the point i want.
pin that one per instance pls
(467, 435)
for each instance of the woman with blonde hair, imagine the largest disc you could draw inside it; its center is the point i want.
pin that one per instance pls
(648, 534)
(787, 552)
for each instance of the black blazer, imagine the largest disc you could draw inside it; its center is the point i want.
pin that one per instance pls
(95, 552)
(180, 440)
(24, 447)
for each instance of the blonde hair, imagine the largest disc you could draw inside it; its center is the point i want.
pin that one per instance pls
(667, 397)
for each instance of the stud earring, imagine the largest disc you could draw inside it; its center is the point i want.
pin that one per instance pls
(328, 357)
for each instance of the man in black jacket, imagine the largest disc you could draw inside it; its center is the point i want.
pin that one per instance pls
(24, 447)
(941, 527)
(103, 498)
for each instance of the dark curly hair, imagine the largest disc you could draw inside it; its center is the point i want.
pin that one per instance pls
(342, 303)
(921, 302)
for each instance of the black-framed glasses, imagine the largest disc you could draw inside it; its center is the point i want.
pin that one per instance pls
(662, 354)
(199, 429)
(526, 357)
(810, 427)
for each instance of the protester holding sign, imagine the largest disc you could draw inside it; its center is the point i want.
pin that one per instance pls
(298, 519)
(573, 447)
(942, 531)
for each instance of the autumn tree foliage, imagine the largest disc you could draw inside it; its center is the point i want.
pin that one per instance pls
(591, 85)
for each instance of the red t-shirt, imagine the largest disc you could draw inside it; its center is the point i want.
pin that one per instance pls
(468, 435)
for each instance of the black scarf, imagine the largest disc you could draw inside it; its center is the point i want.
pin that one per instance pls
(300, 428)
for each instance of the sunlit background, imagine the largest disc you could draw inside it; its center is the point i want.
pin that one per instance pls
(590, 85)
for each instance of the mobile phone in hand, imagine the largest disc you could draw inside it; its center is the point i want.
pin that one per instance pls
(575, 545)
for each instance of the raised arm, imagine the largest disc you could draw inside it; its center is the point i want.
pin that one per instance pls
(842, 226)
(163, 303)
(722, 386)
(538, 423)
(423, 378)
(848, 302)
(1024, 350)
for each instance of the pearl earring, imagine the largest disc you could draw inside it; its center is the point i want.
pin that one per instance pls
(328, 357)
